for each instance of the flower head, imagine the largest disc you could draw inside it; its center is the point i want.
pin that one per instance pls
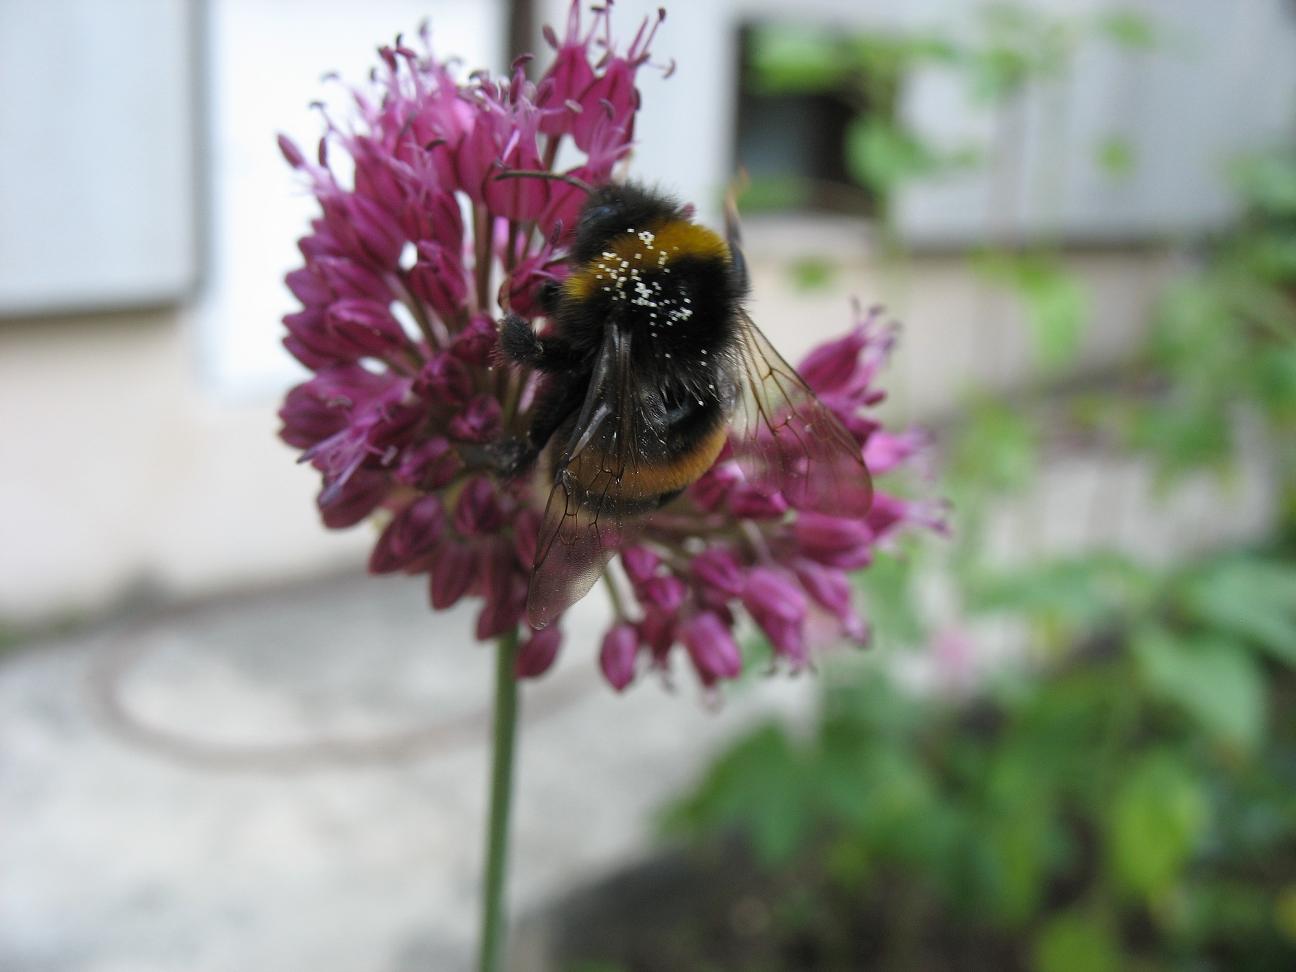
(407, 267)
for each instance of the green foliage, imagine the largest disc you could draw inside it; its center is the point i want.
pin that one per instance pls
(787, 59)
(883, 155)
(1065, 597)
(1156, 820)
(1056, 304)
(888, 589)
(1210, 678)
(755, 783)
(1019, 45)
(995, 452)
(1268, 183)
(1080, 940)
(1224, 339)
(774, 193)
(812, 273)
(1123, 810)
(1246, 598)
(1128, 28)
(1115, 156)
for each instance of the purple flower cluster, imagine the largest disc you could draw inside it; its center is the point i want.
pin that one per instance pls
(407, 267)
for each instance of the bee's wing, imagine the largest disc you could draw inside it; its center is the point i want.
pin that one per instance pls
(784, 438)
(586, 519)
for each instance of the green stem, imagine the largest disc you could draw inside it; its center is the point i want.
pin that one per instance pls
(494, 926)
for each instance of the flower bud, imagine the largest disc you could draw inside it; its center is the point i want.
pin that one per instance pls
(454, 568)
(617, 655)
(503, 589)
(665, 593)
(445, 380)
(756, 502)
(365, 328)
(778, 606)
(476, 343)
(714, 488)
(538, 652)
(833, 541)
(831, 589)
(478, 511)
(345, 505)
(711, 646)
(428, 465)
(479, 422)
(640, 563)
(411, 534)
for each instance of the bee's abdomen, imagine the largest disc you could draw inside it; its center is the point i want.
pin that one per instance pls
(637, 482)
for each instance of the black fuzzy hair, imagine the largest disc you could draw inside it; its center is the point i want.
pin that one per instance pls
(615, 208)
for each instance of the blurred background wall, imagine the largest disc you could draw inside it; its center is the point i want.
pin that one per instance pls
(147, 219)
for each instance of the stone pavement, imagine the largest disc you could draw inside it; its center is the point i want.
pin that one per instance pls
(294, 780)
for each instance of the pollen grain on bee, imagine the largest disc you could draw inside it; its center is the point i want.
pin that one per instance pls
(629, 284)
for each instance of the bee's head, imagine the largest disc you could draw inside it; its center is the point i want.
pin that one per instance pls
(614, 209)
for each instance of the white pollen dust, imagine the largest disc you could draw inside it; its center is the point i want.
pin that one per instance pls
(636, 280)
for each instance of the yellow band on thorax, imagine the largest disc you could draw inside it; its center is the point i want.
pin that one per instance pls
(641, 251)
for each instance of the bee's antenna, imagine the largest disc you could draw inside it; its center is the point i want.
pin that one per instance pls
(571, 180)
(733, 226)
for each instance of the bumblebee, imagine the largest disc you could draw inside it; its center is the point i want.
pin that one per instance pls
(650, 367)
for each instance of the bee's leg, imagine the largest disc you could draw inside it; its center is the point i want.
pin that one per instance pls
(556, 402)
(550, 296)
(521, 345)
(559, 399)
(511, 456)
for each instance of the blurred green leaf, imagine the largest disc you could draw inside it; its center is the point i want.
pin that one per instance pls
(1214, 680)
(996, 450)
(1285, 912)
(1129, 28)
(1081, 592)
(787, 58)
(812, 273)
(1276, 386)
(1154, 824)
(997, 73)
(1056, 304)
(759, 785)
(1270, 254)
(1194, 329)
(1183, 436)
(881, 155)
(889, 598)
(757, 653)
(1268, 182)
(886, 56)
(1078, 940)
(1115, 156)
(1230, 909)
(1017, 833)
(1248, 597)
(766, 193)
(1020, 44)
